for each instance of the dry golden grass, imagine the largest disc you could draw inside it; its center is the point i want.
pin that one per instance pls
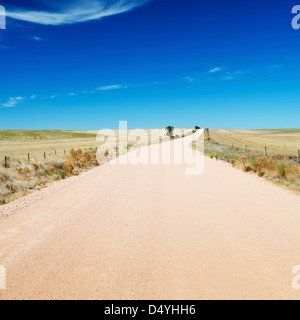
(21, 178)
(17, 143)
(281, 170)
(281, 141)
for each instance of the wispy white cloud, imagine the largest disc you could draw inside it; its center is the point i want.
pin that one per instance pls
(227, 74)
(214, 70)
(11, 102)
(37, 38)
(189, 79)
(75, 11)
(114, 87)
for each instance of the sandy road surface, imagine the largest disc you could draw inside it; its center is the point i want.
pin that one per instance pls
(152, 232)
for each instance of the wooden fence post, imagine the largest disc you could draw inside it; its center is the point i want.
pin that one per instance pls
(266, 151)
(299, 155)
(5, 162)
(44, 155)
(28, 158)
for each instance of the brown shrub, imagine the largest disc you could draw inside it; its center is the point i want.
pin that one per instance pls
(35, 167)
(69, 165)
(52, 169)
(88, 156)
(260, 170)
(4, 177)
(76, 172)
(278, 157)
(76, 154)
(244, 159)
(26, 170)
(82, 164)
(267, 163)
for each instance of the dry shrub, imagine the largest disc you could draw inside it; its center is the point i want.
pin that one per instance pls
(278, 157)
(287, 171)
(4, 177)
(87, 156)
(51, 169)
(76, 172)
(43, 183)
(76, 154)
(58, 165)
(267, 163)
(244, 159)
(26, 170)
(260, 167)
(23, 177)
(232, 162)
(69, 164)
(82, 164)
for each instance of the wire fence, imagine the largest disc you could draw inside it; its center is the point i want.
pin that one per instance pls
(30, 157)
(263, 149)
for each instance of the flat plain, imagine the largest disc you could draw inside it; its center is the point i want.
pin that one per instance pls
(18, 143)
(282, 141)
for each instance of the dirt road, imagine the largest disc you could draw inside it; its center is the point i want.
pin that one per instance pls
(152, 232)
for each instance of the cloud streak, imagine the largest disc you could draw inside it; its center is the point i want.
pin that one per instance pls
(11, 102)
(76, 11)
(114, 87)
(227, 74)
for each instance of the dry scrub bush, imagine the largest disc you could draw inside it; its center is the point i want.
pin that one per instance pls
(260, 170)
(69, 165)
(243, 159)
(22, 177)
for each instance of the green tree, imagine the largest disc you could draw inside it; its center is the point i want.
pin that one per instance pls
(170, 131)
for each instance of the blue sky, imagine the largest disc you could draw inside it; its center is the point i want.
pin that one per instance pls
(88, 64)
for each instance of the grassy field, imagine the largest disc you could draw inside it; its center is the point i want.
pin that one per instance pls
(281, 166)
(20, 177)
(18, 143)
(278, 141)
(34, 135)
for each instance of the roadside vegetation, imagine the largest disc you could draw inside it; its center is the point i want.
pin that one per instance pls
(21, 175)
(20, 178)
(280, 169)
